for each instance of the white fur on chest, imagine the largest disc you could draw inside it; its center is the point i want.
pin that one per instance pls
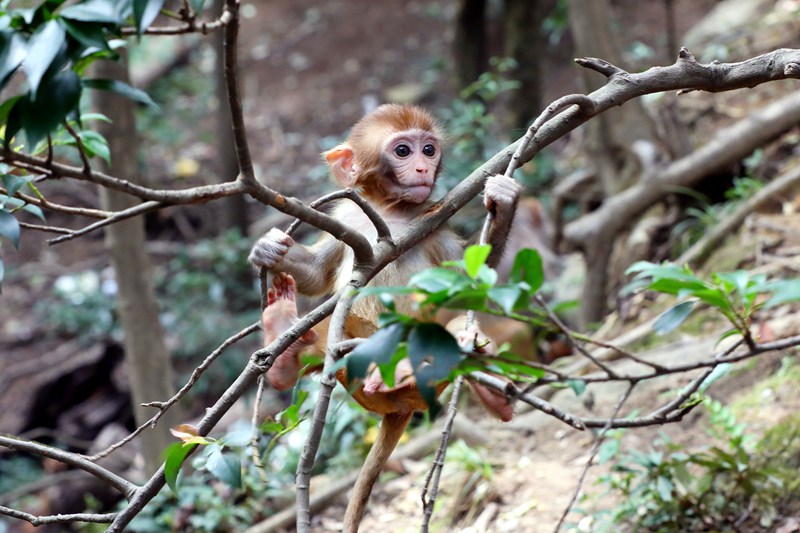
(399, 272)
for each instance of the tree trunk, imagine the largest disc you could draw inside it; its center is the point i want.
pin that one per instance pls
(610, 135)
(148, 360)
(469, 46)
(234, 208)
(525, 44)
(609, 138)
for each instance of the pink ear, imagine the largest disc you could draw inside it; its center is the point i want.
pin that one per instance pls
(340, 159)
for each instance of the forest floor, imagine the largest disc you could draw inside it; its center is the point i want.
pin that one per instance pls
(313, 66)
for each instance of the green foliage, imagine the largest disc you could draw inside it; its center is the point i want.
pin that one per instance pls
(673, 488)
(434, 354)
(53, 44)
(226, 491)
(9, 226)
(734, 294)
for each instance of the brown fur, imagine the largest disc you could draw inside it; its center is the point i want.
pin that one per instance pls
(328, 265)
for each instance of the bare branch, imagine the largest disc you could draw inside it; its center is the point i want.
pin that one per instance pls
(434, 474)
(193, 379)
(73, 459)
(380, 225)
(119, 216)
(59, 518)
(595, 449)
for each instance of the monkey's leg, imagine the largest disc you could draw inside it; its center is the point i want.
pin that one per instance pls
(279, 315)
(392, 428)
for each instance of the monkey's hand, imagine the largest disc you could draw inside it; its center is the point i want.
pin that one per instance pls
(501, 194)
(270, 249)
(473, 339)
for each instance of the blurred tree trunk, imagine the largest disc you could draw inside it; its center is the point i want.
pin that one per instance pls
(149, 365)
(525, 44)
(469, 46)
(234, 208)
(609, 138)
(611, 134)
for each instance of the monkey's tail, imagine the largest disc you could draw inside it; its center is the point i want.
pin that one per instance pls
(392, 428)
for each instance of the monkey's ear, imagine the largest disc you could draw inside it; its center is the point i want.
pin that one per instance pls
(340, 159)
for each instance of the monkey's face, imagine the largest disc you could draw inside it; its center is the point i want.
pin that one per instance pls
(411, 159)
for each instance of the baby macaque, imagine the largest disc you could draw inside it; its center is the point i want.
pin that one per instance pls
(392, 157)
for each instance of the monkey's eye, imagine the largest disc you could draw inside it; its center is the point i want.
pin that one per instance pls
(402, 150)
(429, 150)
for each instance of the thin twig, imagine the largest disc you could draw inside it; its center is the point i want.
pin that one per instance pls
(87, 167)
(59, 518)
(510, 390)
(384, 233)
(73, 459)
(46, 229)
(254, 452)
(595, 449)
(435, 473)
(566, 331)
(119, 216)
(164, 406)
(327, 383)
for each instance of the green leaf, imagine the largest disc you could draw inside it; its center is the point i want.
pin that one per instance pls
(474, 299)
(713, 297)
(735, 280)
(137, 95)
(98, 11)
(88, 34)
(487, 275)
(95, 144)
(664, 487)
(516, 371)
(439, 279)
(608, 450)
(784, 292)
(13, 49)
(197, 5)
(379, 349)
(528, 267)
(12, 183)
(669, 320)
(506, 297)
(225, 467)
(239, 437)
(175, 453)
(145, 12)
(57, 96)
(9, 227)
(34, 210)
(43, 47)
(578, 386)
(475, 257)
(433, 353)
(719, 371)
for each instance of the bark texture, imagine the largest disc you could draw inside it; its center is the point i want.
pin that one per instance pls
(147, 357)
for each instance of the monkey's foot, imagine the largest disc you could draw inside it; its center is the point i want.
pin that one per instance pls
(280, 315)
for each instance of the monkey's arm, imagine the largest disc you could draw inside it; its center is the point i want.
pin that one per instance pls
(501, 194)
(313, 268)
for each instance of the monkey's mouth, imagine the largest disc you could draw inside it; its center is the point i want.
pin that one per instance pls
(417, 193)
